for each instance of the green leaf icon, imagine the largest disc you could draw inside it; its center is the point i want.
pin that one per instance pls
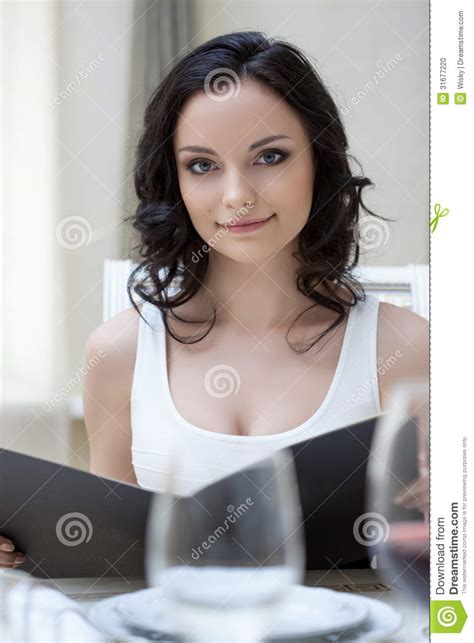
(447, 617)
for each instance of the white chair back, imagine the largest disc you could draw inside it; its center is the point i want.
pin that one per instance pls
(406, 286)
(114, 295)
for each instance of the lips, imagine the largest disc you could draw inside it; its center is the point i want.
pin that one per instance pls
(245, 222)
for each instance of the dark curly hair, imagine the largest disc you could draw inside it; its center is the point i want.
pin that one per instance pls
(328, 247)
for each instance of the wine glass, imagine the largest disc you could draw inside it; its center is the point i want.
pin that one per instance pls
(398, 490)
(30, 611)
(227, 555)
(18, 581)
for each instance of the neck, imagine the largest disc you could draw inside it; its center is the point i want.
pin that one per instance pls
(257, 297)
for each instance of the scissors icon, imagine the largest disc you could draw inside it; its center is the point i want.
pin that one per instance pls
(439, 213)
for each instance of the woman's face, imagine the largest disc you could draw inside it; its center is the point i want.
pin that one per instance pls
(236, 176)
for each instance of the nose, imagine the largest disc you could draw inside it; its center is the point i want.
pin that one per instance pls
(237, 192)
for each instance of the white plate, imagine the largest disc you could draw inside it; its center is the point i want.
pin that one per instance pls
(308, 611)
(382, 623)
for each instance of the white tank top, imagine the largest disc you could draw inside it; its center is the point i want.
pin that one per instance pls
(205, 456)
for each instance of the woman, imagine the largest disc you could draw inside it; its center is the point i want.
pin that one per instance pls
(250, 337)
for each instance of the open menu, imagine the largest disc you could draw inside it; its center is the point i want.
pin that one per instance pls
(71, 523)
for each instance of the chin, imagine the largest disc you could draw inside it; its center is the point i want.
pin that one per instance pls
(248, 253)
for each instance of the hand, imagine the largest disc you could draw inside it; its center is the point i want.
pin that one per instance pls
(8, 555)
(416, 495)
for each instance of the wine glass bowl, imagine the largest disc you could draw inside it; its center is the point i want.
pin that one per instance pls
(227, 555)
(398, 476)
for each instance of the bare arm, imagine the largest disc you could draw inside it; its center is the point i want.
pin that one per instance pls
(110, 352)
(402, 348)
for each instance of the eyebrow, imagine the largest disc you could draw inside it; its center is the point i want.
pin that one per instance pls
(208, 150)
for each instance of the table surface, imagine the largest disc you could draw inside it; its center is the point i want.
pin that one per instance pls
(366, 582)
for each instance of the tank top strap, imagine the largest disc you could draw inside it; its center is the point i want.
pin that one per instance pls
(151, 352)
(361, 361)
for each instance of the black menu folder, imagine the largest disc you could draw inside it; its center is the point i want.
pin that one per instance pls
(71, 523)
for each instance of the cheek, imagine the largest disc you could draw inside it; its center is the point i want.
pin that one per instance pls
(201, 219)
(292, 193)
(198, 200)
(304, 184)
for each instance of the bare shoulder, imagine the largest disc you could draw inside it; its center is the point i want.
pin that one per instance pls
(110, 355)
(116, 339)
(402, 347)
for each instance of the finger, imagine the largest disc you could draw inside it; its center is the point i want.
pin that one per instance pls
(6, 544)
(416, 488)
(14, 557)
(421, 503)
(415, 503)
(413, 495)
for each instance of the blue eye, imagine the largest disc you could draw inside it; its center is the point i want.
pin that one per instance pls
(282, 156)
(272, 153)
(199, 162)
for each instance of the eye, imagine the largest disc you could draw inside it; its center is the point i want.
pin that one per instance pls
(272, 153)
(199, 162)
(268, 153)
